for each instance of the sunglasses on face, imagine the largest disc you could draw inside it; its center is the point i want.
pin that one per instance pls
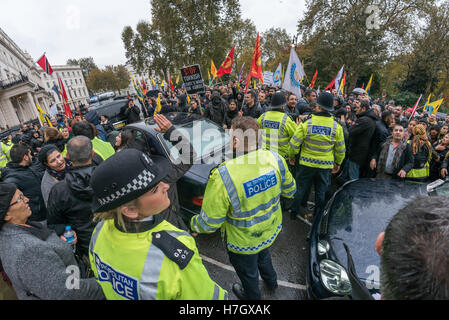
(21, 198)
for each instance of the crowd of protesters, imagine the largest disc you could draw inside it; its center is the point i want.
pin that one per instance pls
(49, 168)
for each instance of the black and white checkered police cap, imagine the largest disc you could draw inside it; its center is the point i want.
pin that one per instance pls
(125, 176)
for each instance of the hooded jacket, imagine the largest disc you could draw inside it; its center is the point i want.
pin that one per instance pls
(360, 138)
(229, 116)
(92, 117)
(215, 110)
(28, 179)
(70, 204)
(183, 106)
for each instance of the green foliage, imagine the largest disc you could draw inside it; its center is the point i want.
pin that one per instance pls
(112, 78)
(86, 64)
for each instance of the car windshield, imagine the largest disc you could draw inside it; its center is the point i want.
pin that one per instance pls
(443, 190)
(205, 136)
(360, 212)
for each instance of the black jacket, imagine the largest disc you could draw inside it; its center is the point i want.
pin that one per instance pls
(36, 143)
(132, 114)
(381, 133)
(28, 180)
(229, 116)
(60, 144)
(215, 111)
(255, 112)
(70, 204)
(360, 136)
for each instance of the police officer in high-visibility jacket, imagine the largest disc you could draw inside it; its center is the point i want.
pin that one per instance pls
(134, 253)
(320, 142)
(242, 198)
(277, 127)
(5, 148)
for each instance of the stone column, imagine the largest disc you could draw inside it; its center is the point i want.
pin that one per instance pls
(32, 102)
(10, 114)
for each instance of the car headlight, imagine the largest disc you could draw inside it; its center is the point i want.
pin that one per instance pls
(323, 247)
(334, 277)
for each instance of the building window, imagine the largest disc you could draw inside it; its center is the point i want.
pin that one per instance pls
(63, 75)
(71, 81)
(74, 91)
(84, 90)
(48, 85)
(76, 81)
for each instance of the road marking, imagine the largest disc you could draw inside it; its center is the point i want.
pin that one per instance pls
(229, 268)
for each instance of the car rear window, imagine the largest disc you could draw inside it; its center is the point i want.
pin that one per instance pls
(113, 109)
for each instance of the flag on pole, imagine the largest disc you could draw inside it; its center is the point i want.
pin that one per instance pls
(277, 81)
(65, 99)
(210, 80)
(152, 81)
(433, 107)
(415, 107)
(338, 78)
(177, 79)
(256, 65)
(136, 88)
(213, 70)
(171, 83)
(43, 63)
(283, 74)
(55, 89)
(226, 66)
(158, 105)
(43, 117)
(318, 91)
(363, 85)
(342, 84)
(241, 72)
(312, 84)
(144, 86)
(427, 103)
(370, 82)
(294, 73)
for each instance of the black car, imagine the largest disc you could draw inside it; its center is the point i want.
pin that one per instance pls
(115, 111)
(210, 150)
(356, 214)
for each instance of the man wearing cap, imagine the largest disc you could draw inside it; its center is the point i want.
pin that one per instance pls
(243, 200)
(321, 146)
(134, 253)
(277, 127)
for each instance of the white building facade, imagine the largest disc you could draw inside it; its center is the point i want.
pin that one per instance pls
(74, 83)
(21, 86)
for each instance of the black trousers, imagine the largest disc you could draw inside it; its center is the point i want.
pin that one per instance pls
(248, 267)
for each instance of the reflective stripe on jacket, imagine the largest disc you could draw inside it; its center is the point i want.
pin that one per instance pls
(242, 199)
(277, 130)
(128, 266)
(320, 141)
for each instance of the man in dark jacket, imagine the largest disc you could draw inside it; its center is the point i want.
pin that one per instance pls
(132, 112)
(395, 159)
(251, 108)
(215, 111)
(69, 202)
(382, 131)
(27, 177)
(303, 105)
(94, 118)
(361, 147)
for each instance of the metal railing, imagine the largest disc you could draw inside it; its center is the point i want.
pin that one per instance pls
(12, 81)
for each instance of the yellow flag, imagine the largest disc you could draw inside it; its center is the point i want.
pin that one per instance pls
(213, 70)
(177, 79)
(158, 105)
(152, 81)
(43, 117)
(436, 105)
(163, 83)
(368, 87)
(427, 103)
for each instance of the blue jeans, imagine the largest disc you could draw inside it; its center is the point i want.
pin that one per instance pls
(350, 171)
(305, 176)
(248, 266)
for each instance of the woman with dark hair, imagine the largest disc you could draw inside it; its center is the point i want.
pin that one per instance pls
(131, 139)
(54, 136)
(239, 99)
(56, 168)
(231, 113)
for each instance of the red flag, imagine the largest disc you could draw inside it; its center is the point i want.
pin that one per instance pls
(171, 83)
(256, 65)
(363, 86)
(331, 85)
(312, 84)
(415, 107)
(144, 86)
(226, 67)
(43, 63)
(248, 81)
(65, 99)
